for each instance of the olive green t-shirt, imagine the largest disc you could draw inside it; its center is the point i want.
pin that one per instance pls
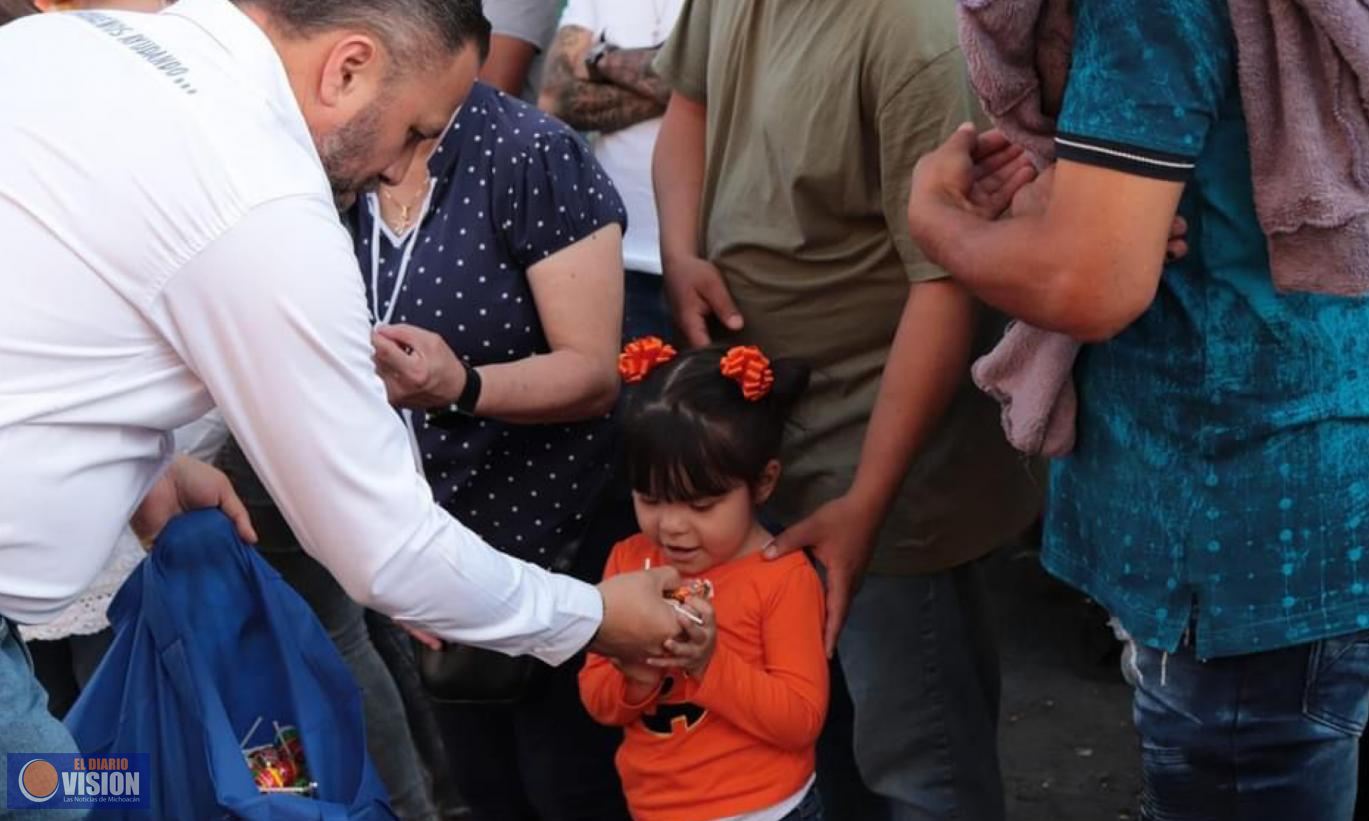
(817, 112)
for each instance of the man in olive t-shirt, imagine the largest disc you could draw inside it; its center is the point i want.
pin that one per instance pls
(782, 173)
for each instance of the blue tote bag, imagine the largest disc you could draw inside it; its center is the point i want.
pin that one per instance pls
(209, 639)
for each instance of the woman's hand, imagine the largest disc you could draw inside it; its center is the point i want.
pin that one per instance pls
(419, 369)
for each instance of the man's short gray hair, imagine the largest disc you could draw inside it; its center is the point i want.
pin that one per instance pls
(413, 30)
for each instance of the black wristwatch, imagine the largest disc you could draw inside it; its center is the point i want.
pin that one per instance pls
(594, 56)
(464, 407)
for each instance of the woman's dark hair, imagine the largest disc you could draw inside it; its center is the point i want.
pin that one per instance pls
(689, 433)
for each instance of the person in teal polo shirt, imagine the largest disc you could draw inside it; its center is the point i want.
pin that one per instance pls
(1217, 500)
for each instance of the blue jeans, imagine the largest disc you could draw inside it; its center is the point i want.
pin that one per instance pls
(26, 726)
(1271, 735)
(922, 669)
(810, 809)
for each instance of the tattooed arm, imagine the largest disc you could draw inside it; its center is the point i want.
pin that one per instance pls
(568, 93)
(630, 68)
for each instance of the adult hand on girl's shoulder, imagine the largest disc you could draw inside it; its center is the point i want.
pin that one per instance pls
(841, 535)
(693, 649)
(418, 367)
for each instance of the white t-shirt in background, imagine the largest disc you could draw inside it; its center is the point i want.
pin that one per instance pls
(626, 154)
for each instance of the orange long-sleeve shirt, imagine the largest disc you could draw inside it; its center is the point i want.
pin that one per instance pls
(742, 737)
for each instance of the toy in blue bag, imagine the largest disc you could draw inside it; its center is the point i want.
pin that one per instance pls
(211, 645)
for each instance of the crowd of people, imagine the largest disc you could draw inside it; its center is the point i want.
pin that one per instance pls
(616, 380)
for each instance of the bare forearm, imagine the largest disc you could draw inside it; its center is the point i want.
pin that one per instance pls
(562, 386)
(630, 68)
(677, 171)
(569, 94)
(1086, 265)
(1007, 264)
(927, 364)
(603, 107)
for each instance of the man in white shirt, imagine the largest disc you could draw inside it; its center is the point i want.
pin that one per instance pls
(599, 78)
(168, 188)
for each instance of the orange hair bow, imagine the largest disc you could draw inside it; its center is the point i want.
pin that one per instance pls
(641, 357)
(748, 367)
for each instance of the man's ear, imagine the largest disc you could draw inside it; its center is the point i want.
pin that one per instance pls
(355, 63)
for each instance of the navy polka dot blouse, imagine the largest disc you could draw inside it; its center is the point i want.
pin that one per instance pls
(512, 186)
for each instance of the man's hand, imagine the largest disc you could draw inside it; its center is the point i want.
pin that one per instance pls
(976, 173)
(696, 291)
(693, 650)
(638, 620)
(189, 484)
(841, 534)
(419, 368)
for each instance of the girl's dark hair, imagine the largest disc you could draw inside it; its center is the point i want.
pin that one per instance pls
(689, 433)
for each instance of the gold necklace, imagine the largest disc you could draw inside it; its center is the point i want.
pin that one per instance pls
(407, 210)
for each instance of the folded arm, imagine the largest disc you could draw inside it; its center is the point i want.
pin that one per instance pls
(630, 94)
(1087, 266)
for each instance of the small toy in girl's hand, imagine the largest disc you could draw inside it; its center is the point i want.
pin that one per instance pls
(697, 588)
(687, 613)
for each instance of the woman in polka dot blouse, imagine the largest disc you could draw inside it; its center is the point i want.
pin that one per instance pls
(494, 273)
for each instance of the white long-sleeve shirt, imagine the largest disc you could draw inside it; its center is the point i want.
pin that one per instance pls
(168, 243)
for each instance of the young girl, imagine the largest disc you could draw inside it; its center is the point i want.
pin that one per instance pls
(723, 724)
